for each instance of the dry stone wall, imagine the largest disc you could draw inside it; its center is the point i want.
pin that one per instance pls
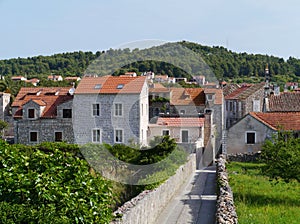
(146, 207)
(226, 212)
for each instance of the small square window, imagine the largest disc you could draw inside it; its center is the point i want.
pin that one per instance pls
(165, 132)
(58, 137)
(118, 109)
(119, 136)
(31, 113)
(96, 109)
(33, 136)
(182, 111)
(96, 135)
(250, 138)
(67, 113)
(98, 86)
(120, 86)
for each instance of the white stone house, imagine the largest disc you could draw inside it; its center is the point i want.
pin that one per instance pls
(250, 133)
(43, 115)
(111, 110)
(186, 130)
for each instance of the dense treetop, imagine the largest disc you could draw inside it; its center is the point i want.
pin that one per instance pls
(225, 64)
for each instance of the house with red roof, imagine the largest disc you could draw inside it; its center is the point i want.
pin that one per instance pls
(242, 99)
(111, 109)
(249, 133)
(43, 114)
(185, 130)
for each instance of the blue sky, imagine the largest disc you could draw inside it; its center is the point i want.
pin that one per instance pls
(40, 27)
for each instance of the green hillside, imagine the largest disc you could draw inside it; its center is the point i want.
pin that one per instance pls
(225, 64)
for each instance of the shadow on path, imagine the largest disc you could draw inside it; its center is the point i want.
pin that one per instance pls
(195, 202)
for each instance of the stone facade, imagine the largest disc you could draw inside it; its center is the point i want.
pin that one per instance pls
(133, 122)
(250, 128)
(46, 129)
(245, 101)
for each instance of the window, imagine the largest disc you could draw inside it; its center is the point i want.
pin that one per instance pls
(118, 110)
(97, 86)
(33, 136)
(67, 113)
(58, 136)
(120, 86)
(96, 109)
(165, 132)
(119, 136)
(31, 113)
(182, 111)
(96, 135)
(250, 137)
(184, 136)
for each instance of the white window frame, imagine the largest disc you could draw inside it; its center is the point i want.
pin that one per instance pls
(115, 139)
(181, 135)
(93, 110)
(162, 132)
(95, 135)
(117, 111)
(255, 137)
(37, 136)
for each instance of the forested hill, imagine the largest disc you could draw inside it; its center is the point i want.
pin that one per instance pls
(225, 64)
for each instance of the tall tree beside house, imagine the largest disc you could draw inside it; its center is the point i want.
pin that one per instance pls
(282, 157)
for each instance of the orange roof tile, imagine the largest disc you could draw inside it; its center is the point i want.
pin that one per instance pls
(109, 85)
(287, 121)
(158, 88)
(244, 91)
(180, 121)
(289, 101)
(41, 96)
(187, 96)
(218, 94)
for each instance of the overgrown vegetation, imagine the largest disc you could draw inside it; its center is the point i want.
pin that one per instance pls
(55, 183)
(258, 200)
(281, 155)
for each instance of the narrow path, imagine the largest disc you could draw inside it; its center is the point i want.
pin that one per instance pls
(195, 201)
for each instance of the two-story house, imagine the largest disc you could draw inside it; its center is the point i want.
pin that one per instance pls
(242, 100)
(111, 109)
(43, 114)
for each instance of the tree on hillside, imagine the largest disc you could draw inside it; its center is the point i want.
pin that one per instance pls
(281, 155)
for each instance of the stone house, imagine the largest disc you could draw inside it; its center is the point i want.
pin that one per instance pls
(185, 130)
(283, 102)
(249, 133)
(239, 102)
(111, 109)
(43, 114)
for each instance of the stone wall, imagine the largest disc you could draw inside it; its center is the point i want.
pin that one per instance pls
(244, 157)
(225, 205)
(146, 207)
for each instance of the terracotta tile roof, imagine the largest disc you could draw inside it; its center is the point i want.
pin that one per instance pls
(279, 121)
(50, 97)
(110, 84)
(244, 91)
(187, 96)
(158, 88)
(218, 94)
(229, 88)
(289, 101)
(179, 122)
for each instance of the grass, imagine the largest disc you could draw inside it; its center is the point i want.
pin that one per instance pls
(258, 200)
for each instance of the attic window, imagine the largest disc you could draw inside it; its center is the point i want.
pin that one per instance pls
(120, 86)
(98, 86)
